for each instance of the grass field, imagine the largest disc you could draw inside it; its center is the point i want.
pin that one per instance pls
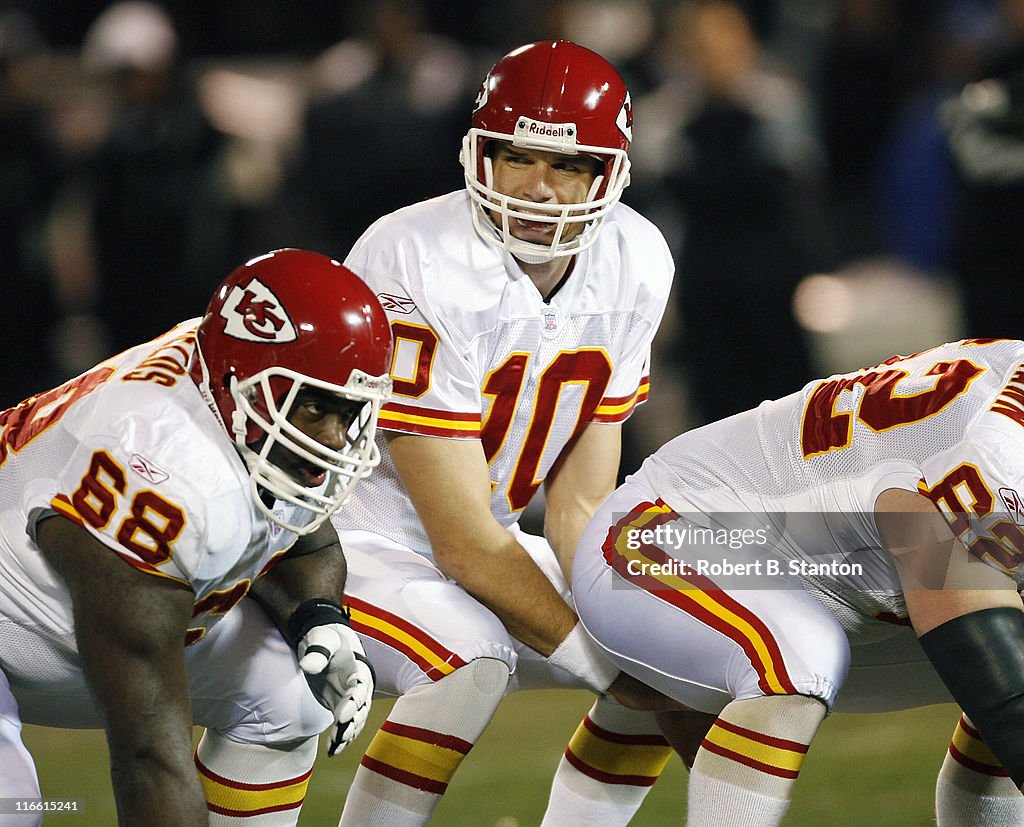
(873, 770)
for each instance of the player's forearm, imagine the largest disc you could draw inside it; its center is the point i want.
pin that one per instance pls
(502, 576)
(293, 580)
(149, 733)
(157, 786)
(563, 527)
(581, 480)
(145, 700)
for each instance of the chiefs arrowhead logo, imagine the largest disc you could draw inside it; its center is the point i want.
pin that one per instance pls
(255, 314)
(482, 95)
(624, 120)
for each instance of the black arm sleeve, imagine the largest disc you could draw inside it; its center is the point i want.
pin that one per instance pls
(980, 658)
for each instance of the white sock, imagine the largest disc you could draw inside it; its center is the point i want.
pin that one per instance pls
(253, 784)
(610, 765)
(716, 803)
(749, 761)
(17, 770)
(411, 759)
(18, 776)
(972, 788)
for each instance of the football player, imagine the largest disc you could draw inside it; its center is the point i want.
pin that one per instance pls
(857, 545)
(166, 553)
(523, 309)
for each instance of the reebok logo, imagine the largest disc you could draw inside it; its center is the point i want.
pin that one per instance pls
(396, 304)
(1012, 501)
(147, 469)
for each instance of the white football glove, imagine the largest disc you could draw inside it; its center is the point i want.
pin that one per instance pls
(336, 668)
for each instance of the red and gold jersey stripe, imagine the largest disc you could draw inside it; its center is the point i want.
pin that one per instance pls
(241, 800)
(413, 419)
(618, 408)
(615, 757)
(62, 504)
(967, 748)
(765, 753)
(414, 756)
(428, 654)
(697, 595)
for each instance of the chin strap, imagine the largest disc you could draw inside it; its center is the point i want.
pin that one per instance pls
(238, 425)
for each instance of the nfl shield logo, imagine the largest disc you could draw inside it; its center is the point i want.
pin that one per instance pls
(550, 320)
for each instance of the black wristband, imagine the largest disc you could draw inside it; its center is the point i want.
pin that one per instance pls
(980, 658)
(315, 612)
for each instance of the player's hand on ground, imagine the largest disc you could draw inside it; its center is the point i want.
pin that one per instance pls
(633, 694)
(341, 677)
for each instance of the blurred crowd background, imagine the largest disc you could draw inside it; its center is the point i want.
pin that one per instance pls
(839, 179)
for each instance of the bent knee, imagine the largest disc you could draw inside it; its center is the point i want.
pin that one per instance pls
(811, 658)
(461, 703)
(484, 676)
(400, 672)
(279, 719)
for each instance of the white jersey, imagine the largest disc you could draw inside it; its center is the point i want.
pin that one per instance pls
(480, 355)
(130, 452)
(948, 422)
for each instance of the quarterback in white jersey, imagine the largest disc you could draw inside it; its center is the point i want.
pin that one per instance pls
(523, 311)
(481, 355)
(857, 545)
(142, 501)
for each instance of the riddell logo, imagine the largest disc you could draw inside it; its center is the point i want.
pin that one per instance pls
(255, 314)
(559, 136)
(546, 129)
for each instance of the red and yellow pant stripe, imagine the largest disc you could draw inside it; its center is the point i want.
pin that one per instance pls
(615, 757)
(416, 757)
(387, 628)
(697, 595)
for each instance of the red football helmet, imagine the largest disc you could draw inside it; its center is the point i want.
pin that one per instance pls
(557, 96)
(282, 322)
